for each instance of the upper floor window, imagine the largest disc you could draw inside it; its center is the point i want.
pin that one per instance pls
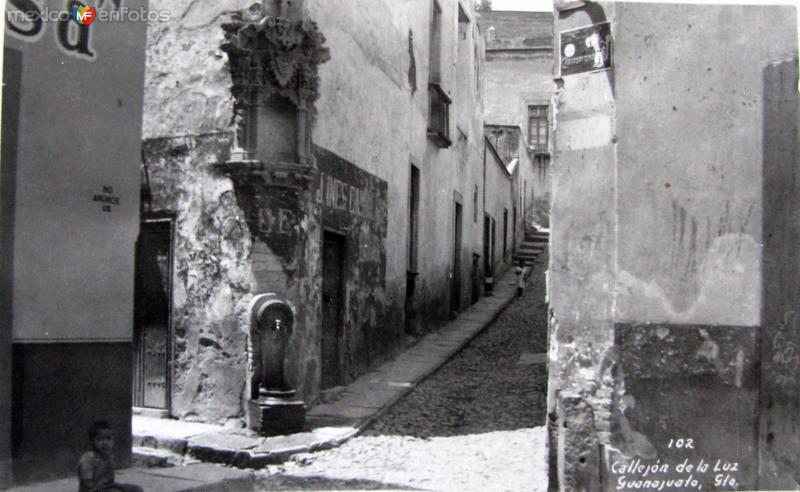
(463, 23)
(538, 125)
(439, 116)
(436, 43)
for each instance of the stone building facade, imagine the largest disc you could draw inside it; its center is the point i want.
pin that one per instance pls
(352, 183)
(673, 248)
(518, 94)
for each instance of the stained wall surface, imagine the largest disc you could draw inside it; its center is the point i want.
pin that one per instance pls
(781, 339)
(374, 112)
(657, 257)
(371, 125)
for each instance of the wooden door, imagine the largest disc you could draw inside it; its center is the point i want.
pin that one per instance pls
(455, 291)
(332, 308)
(153, 299)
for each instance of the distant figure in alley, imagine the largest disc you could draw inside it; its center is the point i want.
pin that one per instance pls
(520, 272)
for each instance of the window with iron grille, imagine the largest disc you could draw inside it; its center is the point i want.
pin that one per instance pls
(439, 120)
(538, 126)
(439, 117)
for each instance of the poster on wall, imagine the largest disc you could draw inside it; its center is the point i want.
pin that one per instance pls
(585, 49)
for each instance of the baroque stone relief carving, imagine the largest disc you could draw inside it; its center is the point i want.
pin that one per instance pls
(273, 55)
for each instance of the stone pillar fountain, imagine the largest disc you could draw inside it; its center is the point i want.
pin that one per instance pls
(272, 408)
(274, 54)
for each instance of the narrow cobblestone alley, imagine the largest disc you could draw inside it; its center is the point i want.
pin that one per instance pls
(476, 424)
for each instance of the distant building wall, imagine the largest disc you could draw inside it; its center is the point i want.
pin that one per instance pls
(500, 200)
(519, 66)
(656, 263)
(510, 146)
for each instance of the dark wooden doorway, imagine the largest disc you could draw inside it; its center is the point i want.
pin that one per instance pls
(455, 291)
(487, 245)
(333, 255)
(152, 377)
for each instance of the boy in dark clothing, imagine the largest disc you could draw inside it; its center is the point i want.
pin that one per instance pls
(96, 467)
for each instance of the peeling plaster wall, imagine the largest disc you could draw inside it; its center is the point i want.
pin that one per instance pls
(284, 222)
(582, 250)
(372, 115)
(187, 82)
(187, 129)
(372, 327)
(656, 241)
(212, 274)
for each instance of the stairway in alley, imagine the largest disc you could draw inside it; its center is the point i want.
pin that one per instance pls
(536, 240)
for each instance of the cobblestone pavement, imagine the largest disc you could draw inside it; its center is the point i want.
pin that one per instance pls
(476, 424)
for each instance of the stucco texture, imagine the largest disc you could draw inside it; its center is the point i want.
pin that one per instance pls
(657, 226)
(373, 112)
(212, 274)
(241, 234)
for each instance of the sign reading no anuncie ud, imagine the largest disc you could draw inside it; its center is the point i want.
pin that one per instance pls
(585, 49)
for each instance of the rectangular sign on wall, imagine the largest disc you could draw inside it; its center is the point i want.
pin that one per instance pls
(78, 162)
(586, 49)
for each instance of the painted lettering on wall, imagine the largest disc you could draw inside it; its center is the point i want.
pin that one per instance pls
(276, 220)
(336, 194)
(27, 20)
(106, 198)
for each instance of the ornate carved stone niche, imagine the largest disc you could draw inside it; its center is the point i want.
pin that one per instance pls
(273, 62)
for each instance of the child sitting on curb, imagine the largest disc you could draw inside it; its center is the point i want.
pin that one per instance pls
(96, 467)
